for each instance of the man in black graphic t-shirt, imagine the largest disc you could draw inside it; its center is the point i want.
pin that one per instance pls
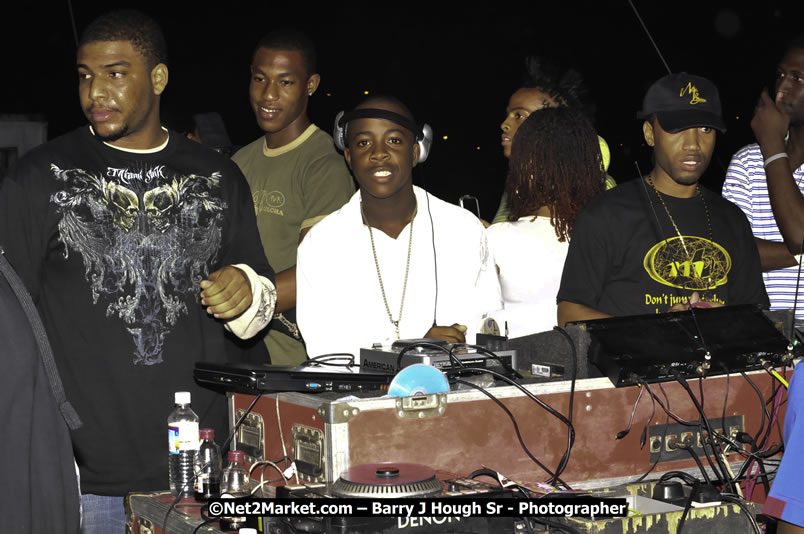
(663, 243)
(140, 248)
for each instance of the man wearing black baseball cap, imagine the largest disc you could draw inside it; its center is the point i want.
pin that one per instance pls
(662, 242)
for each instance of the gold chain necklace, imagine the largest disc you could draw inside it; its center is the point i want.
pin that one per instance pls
(673, 222)
(379, 274)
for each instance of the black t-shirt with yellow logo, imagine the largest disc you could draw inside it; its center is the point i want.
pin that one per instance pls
(627, 258)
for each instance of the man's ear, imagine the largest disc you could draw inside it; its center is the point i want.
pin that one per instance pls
(159, 78)
(416, 154)
(312, 84)
(647, 132)
(348, 156)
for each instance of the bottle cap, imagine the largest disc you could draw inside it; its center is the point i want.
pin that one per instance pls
(247, 530)
(182, 397)
(237, 456)
(207, 433)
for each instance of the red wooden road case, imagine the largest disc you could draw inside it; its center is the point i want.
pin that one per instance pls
(147, 512)
(462, 431)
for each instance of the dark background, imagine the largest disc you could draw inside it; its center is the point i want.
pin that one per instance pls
(454, 66)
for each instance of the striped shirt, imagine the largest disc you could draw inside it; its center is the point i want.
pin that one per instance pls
(746, 186)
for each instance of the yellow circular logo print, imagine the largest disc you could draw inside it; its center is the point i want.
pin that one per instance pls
(688, 262)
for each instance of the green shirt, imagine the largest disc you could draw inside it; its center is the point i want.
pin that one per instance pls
(293, 187)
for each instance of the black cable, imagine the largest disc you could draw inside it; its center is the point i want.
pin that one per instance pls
(725, 402)
(764, 408)
(486, 352)
(224, 446)
(745, 510)
(764, 476)
(700, 432)
(622, 433)
(427, 345)
(675, 417)
(324, 360)
(790, 342)
(504, 378)
(720, 471)
(700, 391)
(664, 434)
(537, 400)
(775, 388)
(666, 408)
(728, 482)
(239, 422)
(486, 472)
(688, 505)
(721, 474)
(655, 46)
(435, 259)
(527, 525)
(689, 335)
(516, 429)
(573, 378)
(759, 456)
(686, 477)
(644, 435)
(688, 447)
(72, 21)
(206, 521)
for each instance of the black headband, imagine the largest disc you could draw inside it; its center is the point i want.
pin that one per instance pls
(373, 113)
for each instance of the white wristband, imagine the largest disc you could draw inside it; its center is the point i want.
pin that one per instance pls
(774, 158)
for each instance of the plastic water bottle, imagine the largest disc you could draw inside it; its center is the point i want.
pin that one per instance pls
(236, 483)
(182, 445)
(207, 467)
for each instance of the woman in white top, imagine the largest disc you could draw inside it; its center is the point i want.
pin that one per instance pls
(555, 168)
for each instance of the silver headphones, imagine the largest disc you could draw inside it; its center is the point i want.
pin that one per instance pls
(424, 135)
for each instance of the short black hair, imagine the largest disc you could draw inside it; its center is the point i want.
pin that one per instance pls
(795, 42)
(391, 100)
(565, 86)
(291, 39)
(144, 33)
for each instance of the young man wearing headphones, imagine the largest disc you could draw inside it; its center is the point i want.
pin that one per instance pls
(394, 262)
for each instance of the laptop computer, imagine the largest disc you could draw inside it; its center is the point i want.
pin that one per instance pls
(259, 378)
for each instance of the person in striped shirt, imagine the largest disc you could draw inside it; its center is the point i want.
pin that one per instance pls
(748, 186)
(766, 180)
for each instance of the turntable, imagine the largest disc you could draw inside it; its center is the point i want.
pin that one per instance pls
(387, 480)
(393, 481)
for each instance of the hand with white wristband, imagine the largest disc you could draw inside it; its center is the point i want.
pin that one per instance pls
(774, 157)
(770, 124)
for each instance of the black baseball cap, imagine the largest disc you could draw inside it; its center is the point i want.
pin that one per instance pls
(681, 101)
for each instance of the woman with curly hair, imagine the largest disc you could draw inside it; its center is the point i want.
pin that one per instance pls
(555, 168)
(545, 85)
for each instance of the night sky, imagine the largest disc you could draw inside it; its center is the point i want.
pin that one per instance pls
(455, 69)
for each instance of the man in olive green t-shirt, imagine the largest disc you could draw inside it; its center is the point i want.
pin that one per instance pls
(296, 176)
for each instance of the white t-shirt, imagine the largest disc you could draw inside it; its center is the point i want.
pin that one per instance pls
(338, 299)
(531, 260)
